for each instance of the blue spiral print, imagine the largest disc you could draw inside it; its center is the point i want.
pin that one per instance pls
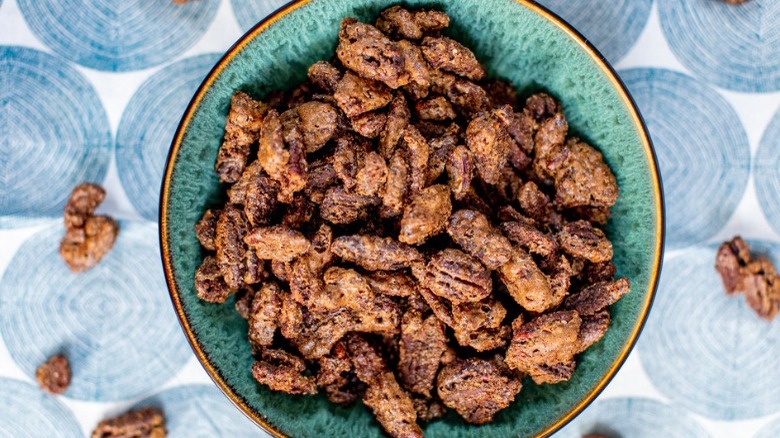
(148, 125)
(613, 26)
(29, 412)
(767, 173)
(707, 351)
(200, 410)
(118, 35)
(250, 12)
(732, 47)
(114, 322)
(54, 134)
(702, 149)
(633, 417)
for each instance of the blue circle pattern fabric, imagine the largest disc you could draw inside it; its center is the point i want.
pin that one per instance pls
(114, 322)
(148, 125)
(732, 47)
(51, 123)
(250, 12)
(613, 26)
(767, 172)
(707, 351)
(29, 412)
(771, 430)
(702, 150)
(202, 411)
(634, 418)
(118, 35)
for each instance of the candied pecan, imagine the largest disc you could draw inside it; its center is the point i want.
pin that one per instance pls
(367, 362)
(254, 268)
(762, 287)
(346, 288)
(263, 315)
(425, 215)
(375, 253)
(478, 325)
(529, 237)
(282, 270)
(392, 407)
(394, 284)
(437, 163)
(418, 152)
(548, 147)
(460, 169)
(243, 127)
(422, 343)
(403, 23)
(244, 302)
(369, 124)
(368, 52)
(299, 212)
(281, 371)
(260, 199)
(348, 158)
(145, 422)
(583, 178)
(541, 106)
(346, 391)
(321, 175)
(598, 296)
(438, 306)
(277, 242)
(210, 284)
(436, 108)
(334, 365)
(356, 95)
(581, 239)
(428, 409)
(527, 284)
(83, 248)
(54, 375)
(371, 177)
(473, 201)
(535, 203)
(549, 339)
(417, 69)
(397, 186)
(469, 97)
(595, 272)
(324, 75)
(290, 317)
(319, 331)
(553, 373)
(82, 203)
(341, 207)
(732, 258)
(237, 191)
(318, 124)
(593, 329)
(449, 55)
(271, 153)
(473, 232)
(488, 141)
(476, 389)
(457, 276)
(398, 117)
(293, 176)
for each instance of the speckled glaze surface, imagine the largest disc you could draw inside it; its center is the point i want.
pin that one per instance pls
(517, 41)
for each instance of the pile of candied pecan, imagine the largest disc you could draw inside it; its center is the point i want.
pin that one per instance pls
(401, 230)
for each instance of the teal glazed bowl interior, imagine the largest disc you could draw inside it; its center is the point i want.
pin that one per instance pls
(517, 41)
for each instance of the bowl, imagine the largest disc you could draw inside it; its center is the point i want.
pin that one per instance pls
(517, 40)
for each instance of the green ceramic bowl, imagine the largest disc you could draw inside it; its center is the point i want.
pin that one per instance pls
(517, 40)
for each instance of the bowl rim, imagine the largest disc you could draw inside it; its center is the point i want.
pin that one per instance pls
(607, 70)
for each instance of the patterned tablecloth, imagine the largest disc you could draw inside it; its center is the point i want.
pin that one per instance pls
(92, 90)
